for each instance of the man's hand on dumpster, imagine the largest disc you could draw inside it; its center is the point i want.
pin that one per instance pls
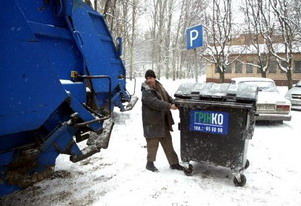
(173, 106)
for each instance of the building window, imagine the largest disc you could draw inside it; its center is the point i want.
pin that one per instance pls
(272, 67)
(249, 68)
(228, 69)
(297, 67)
(238, 67)
(216, 70)
(258, 70)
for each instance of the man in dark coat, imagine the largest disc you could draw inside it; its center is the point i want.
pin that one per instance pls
(157, 121)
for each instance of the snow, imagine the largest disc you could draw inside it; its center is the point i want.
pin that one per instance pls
(117, 175)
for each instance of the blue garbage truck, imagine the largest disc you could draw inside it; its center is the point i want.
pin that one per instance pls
(61, 76)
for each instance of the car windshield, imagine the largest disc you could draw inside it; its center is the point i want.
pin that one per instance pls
(263, 86)
(298, 84)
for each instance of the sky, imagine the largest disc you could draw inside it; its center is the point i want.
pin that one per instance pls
(117, 176)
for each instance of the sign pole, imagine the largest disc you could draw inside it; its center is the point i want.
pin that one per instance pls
(196, 66)
(194, 39)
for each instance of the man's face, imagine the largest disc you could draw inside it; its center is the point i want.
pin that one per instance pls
(151, 81)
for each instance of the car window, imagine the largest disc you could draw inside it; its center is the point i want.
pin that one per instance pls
(298, 84)
(263, 86)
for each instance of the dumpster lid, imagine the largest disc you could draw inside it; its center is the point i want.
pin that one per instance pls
(217, 91)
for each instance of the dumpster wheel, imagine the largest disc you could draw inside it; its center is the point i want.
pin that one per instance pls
(240, 181)
(188, 171)
(247, 164)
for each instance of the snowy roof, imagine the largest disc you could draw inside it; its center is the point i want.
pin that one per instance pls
(251, 49)
(245, 79)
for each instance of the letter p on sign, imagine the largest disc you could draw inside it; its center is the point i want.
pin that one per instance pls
(194, 37)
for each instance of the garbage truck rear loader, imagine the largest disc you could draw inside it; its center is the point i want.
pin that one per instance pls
(61, 76)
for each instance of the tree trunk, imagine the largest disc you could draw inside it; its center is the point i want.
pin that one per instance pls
(106, 8)
(221, 70)
(113, 14)
(168, 39)
(289, 78)
(263, 73)
(133, 38)
(154, 33)
(95, 5)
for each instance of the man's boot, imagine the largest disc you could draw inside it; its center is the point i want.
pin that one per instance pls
(150, 166)
(177, 167)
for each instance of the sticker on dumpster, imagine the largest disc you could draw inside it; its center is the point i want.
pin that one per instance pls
(209, 122)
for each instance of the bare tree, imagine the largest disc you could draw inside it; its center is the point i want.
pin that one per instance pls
(288, 30)
(176, 49)
(257, 20)
(95, 5)
(109, 11)
(192, 13)
(88, 2)
(186, 21)
(219, 26)
(121, 16)
(155, 9)
(167, 33)
(296, 15)
(168, 38)
(134, 11)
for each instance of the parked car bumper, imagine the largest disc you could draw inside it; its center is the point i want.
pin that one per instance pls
(296, 107)
(273, 117)
(296, 104)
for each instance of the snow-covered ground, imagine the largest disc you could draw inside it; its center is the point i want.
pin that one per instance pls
(117, 175)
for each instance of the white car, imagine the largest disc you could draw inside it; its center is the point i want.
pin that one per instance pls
(294, 95)
(270, 105)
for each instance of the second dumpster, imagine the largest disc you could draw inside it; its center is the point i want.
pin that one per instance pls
(216, 122)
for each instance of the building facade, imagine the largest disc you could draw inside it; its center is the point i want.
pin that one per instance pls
(245, 65)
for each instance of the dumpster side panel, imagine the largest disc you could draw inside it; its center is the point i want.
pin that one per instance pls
(223, 149)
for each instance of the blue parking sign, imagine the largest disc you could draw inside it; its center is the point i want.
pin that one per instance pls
(194, 37)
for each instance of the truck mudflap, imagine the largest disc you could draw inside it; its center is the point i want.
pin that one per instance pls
(131, 103)
(95, 142)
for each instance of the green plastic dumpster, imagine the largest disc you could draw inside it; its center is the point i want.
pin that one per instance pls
(217, 121)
